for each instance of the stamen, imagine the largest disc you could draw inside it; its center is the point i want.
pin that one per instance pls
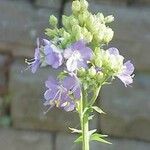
(45, 112)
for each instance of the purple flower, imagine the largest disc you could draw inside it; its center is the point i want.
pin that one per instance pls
(77, 56)
(62, 94)
(47, 54)
(34, 63)
(126, 75)
(53, 54)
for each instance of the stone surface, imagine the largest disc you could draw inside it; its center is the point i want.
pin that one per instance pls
(132, 31)
(110, 2)
(121, 144)
(49, 3)
(1, 107)
(127, 109)
(5, 60)
(66, 142)
(20, 25)
(11, 139)
(26, 95)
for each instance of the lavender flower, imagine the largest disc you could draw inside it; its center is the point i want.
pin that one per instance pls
(77, 56)
(34, 63)
(53, 54)
(126, 75)
(127, 69)
(47, 54)
(62, 94)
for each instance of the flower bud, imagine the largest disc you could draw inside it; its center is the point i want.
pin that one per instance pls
(100, 76)
(109, 19)
(84, 5)
(101, 17)
(76, 6)
(98, 61)
(81, 72)
(92, 71)
(53, 21)
(108, 35)
(87, 35)
(51, 33)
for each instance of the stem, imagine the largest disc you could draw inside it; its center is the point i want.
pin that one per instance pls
(85, 131)
(84, 124)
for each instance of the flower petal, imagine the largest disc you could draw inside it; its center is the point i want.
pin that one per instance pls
(71, 64)
(35, 65)
(113, 51)
(126, 79)
(129, 68)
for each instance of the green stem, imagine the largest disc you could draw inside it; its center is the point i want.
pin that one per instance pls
(84, 124)
(85, 131)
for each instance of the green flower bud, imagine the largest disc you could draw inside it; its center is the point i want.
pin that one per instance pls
(87, 35)
(92, 71)
(83, 18)
(98, 61)
(109, 19)
(51, 33)
(76, 6)
(100, 17)
(99, 76)
(73, 21)
(84, 5)
(53, 21)
(108, 35)
(81, 72)
(65, 21)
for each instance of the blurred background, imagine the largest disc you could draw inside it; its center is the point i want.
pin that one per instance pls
(22, 122)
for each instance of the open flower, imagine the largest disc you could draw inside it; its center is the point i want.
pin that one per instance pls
(62, 94)
(53, 54)
(34, 63)
(77, 56)
(125, 73)
(126, 76)
(46, 54)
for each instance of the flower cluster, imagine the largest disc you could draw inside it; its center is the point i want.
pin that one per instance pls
(78, 48)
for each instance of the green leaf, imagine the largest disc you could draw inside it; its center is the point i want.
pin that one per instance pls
(75, 130)
(91, 117)
(97, 109)
(79, 139)
(99, 138)
(91, 132)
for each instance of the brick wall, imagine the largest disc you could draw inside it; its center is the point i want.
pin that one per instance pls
(127, 120)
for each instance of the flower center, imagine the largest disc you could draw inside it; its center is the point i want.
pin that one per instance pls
(76, 55)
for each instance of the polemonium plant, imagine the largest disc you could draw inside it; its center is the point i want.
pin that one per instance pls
(78, 48)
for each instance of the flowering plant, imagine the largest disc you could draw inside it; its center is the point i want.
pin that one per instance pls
(78, 48)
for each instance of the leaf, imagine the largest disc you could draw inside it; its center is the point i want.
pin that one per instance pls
(91, 117)
(98, 137)
(91, 132)
(79, 139)
(75, 130)
(97, 109)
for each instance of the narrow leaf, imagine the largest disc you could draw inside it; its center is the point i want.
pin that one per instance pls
(97, 109)
(98, 137)
(79, 139)
(75, 130)
(91, 117)
(91, 132)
